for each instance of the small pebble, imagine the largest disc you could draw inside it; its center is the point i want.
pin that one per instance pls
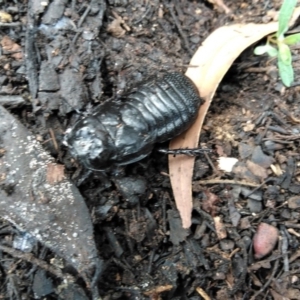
(254, 206)
(257, 195)
(245, 223)
(195, 39)
(245, 150)
(247, 241)
(264, 240)
(226, 244)
(131, 188)
(285, 214)
(294, 188)
(261, 159)
(271, 146)
(294, 202)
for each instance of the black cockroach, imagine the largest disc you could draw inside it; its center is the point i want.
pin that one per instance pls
(123, 131)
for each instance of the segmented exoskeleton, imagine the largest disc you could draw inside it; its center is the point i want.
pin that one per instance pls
(125, 130)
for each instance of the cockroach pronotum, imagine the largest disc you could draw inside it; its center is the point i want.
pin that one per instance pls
(123, 131)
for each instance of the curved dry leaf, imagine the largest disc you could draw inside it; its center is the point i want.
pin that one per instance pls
(208, 66)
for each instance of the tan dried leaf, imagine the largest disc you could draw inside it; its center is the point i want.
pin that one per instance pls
(220, 228)
(208, 66)
(10, 46)
(257, 170)
(5, 17)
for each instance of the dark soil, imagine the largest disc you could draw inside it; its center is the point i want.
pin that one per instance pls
(60, 60)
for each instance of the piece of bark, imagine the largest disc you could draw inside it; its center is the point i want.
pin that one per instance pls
(53, 211)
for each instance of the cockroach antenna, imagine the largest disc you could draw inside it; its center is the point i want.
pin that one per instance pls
(187, 151)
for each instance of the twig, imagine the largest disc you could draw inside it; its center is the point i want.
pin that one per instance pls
(12, 285)
(183, 36)
(260, 186)
(12, 100)
(147, 10)
(284, 248)
(32, 259)
(53, 139)
(83, 17)
(241, 280)
(268, 281)
(227, 181)
(30, 50)
(164, 211)
(14, 24)
(216, 171)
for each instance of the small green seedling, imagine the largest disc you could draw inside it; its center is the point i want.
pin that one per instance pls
(278, 45)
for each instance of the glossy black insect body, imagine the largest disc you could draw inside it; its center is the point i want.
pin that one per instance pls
(124, 131)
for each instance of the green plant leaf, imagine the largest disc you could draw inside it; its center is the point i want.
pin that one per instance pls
(286, 72)
(284, 54)
(272, 51)
(292, 39)
(285, 14)
(260, 50)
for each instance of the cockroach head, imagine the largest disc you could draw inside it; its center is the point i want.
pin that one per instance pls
(89, 142)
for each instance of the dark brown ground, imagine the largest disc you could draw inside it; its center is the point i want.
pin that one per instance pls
(96, 51)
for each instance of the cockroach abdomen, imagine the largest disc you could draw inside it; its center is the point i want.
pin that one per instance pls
(123, 131)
